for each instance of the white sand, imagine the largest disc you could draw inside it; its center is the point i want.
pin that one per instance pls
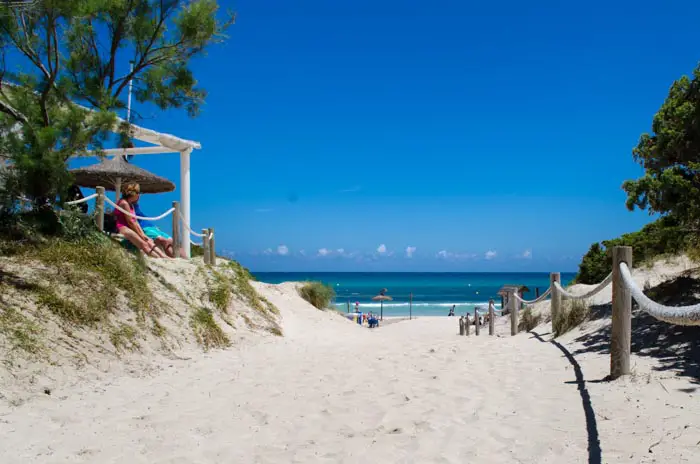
(331, 391)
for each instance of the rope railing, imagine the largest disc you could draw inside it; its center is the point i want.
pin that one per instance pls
(536, 300)
(680, 315)
(588, 294)
(82, 200)
(624, 290)
(143, 218)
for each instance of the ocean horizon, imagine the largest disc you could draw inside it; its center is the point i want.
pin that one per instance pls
(418, 293)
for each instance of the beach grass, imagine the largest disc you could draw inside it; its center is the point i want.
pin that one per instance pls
(207, 332)
(318, 294)
(572, 314)
(22, 334)
(124, 337)
(529, 320)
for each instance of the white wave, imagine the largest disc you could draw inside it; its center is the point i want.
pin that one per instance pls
(434, 305)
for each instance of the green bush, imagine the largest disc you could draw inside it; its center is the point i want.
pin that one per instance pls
(663, 236)
(318, 294)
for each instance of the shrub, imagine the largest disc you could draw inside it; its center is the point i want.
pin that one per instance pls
(663, 236)
(318, 294)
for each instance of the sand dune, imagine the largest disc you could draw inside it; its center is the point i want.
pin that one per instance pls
(331, 391)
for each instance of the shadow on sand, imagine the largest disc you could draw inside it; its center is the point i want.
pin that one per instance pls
(676, 348)
(594, 451)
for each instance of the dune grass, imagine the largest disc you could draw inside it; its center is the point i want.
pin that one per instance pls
(123, 338)
(220, 291)
(572, 314)
(207, 332)
(529, 320)
(318, 294)
(22, 334)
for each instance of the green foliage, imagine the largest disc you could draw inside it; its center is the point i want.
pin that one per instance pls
(21, 333)
(207, 331)
(572, 314)
(243, 288)
(220, 292)
(663, 236)
(318, 294)
(71, 53)
(124, 338)
(671, 156)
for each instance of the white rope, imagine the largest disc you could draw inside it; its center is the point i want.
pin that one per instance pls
(187, 226)
(128, 213)
(82, 200)
(681, 315)
(199, 244)
(589, 294)
(536, 300)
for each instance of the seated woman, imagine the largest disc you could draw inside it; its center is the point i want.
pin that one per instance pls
(153, 232)
(129, 227)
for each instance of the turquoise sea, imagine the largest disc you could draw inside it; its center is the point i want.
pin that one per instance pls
(433, 293)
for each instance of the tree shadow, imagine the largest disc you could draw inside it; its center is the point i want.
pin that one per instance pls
(675, 347)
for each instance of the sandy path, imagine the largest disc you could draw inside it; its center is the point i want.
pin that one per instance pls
(328, 392)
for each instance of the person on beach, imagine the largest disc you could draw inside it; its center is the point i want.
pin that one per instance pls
(129, 227)
(159, 237)
(452, 310)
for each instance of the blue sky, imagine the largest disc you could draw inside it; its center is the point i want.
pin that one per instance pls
(472, 137)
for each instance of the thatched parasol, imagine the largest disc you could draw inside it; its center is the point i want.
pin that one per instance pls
(382, 298)
(111, 173)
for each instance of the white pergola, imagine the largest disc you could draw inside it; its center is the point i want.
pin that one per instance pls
(163, 143)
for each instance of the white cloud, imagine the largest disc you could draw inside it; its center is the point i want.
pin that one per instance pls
(381, 249)
(444, 254)
(527, 254)
(340, 251)
(490, 254)
(282, 250)
(324, 252)
(409, 251)
(268, 251)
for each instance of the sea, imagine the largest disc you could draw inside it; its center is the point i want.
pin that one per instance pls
(418, 294)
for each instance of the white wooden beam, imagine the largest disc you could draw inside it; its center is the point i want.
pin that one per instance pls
(131, 151)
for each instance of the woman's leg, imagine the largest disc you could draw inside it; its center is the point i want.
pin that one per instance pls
(166, 245)
(137, 241)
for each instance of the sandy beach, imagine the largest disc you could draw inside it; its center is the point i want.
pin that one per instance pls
(331, 391)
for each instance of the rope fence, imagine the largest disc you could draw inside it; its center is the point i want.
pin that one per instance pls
(178, 223)
(624, 290)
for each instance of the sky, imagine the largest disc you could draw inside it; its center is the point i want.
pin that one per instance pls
(424, 136)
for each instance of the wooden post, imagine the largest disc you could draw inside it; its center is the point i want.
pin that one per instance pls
(461, 325)
(212, 248)
(513, 306)
(100, 208)
(477, 328)
(621, 336)
(537, 292)
(410, 306)
(503, 303)
(466, 324)
(205, 245)
(555, 300)
(348, 305)
(176, 229)
(492, 323)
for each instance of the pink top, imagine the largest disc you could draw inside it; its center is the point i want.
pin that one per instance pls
(121, 217)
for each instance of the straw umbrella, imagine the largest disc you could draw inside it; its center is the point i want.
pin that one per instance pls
(111, 173)
(382, 299)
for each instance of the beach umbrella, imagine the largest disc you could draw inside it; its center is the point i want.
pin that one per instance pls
(382, 298)
(111, 173)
